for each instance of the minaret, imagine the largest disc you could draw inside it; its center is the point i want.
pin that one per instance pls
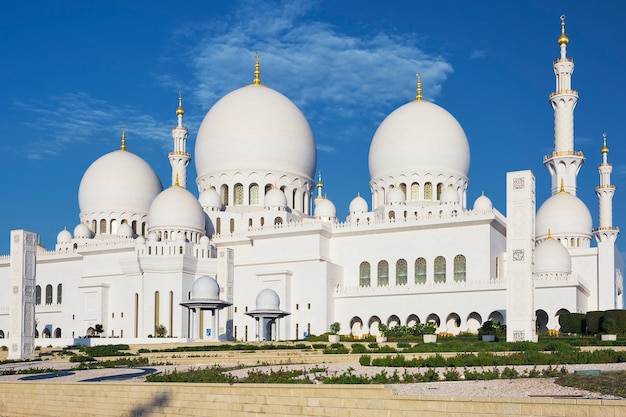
(606, 234)
(179, 158)
(564, 163)
(319, 185)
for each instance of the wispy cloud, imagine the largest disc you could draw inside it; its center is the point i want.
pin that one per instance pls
(78, 117)
(326, 148)
(477, 54)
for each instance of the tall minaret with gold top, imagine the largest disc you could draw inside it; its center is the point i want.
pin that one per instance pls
(179, 158)
(564, 163)
(605, 191)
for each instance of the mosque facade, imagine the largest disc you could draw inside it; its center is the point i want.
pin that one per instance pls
(261, 254)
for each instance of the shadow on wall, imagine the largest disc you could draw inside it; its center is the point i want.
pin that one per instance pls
(152, 408)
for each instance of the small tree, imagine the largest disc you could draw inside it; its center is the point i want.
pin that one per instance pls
(609, 325)
(335, 327)
(99, 328)
(160, 331)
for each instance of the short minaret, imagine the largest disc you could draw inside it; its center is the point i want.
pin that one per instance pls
(179, 158)
(606, 234)
(320, 185)
(563, 102)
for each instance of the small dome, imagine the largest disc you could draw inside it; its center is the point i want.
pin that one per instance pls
(275, 198)
(396, 196)
(564, 215)
(82, 231)
(125, 230)
(205, 288)
(267, 299)
(204, 240)
(419, 137)
(177, 209)
(119, 181)
(358, 205)
(64, 236)
(449, 195)
(483, 203)
(210, 199)
(255, 128)
(325, 209)
(153, 237)
(140, 240)
(552, 257)
(180, 237)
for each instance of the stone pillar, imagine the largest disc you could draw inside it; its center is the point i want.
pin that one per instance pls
(520, 245)
(22, 298)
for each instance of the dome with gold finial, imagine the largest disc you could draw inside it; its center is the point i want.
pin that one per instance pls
(255, 130)
(176, 210)
(117, 184)
(563, 39)
(566, 216)
(180, 111)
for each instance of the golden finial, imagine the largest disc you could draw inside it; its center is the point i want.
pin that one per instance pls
(319, 180)
(562, 189)
(176, 183)
(257, 70)
(180, 111)
(549, 235)
(418, 96)
(605, 148)
(563, 39)
(39, 240)
(123, 147)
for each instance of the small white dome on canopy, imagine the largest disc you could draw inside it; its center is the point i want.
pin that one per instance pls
(563, 214)
(396, 196)
(204, 240)
(325, 209)
(177, 209)
(358, 205)
(82, 231)
(125, 230)
(267, 299)
(140, 240)
(64, 236)
(552, 257)
(119, 181)
(449, 195)
(419, 136)
(275, 198)
(210, 199)
(483, 203)
(205, 288)
(153, 237)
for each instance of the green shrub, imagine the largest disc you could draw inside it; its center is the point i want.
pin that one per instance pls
(593, 321)
(358, 348)
(620, 319)
(365, 360)
(573, 323)
(609, 325)
(452, 374)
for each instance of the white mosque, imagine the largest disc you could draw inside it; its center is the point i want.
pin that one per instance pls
(262, 255)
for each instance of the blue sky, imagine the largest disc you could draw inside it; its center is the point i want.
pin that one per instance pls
(74, 73)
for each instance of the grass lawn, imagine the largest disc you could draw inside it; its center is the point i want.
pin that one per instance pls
(609, 383)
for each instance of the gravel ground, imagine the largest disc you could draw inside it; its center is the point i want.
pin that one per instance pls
(509, 388)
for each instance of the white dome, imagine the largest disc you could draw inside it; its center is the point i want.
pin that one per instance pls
(177, 209)
(211, 199)
(205, 288)
(153, 237)
(118, 182)
(275, 198)
(64, 236)
(552, 257)
(255, 128)
(419, 137)
(125, 230)
(204, 240)
(267, 299)
(82, 231)
(140, 240)
(396, 196)
(450, 195)
(358, 205)
(483, 203)
(564, 215)
(325, 209)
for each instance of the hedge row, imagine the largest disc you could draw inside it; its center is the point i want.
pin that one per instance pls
(592, 322)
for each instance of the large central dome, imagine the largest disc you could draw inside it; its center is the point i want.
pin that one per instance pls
(255, 128)
(419, 137)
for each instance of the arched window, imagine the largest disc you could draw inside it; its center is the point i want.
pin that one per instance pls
(48, 294)
(459, 268)
(262, 222)
(37, 295)
(278, 221)
(428, 191)
(157, 308)
(59, 293)
(113, 227)
(392, 215)
(238, 194)
(383, 273)
(224, 194)
(420, 271)
(364, 274)
(103, 226)
(497, 267)
(401, 274)
(254, 194)
(134, 226)
(440, 269)
(218, 226)
(232, 225)
(403, 188)
(415, 191)
(439, 190)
